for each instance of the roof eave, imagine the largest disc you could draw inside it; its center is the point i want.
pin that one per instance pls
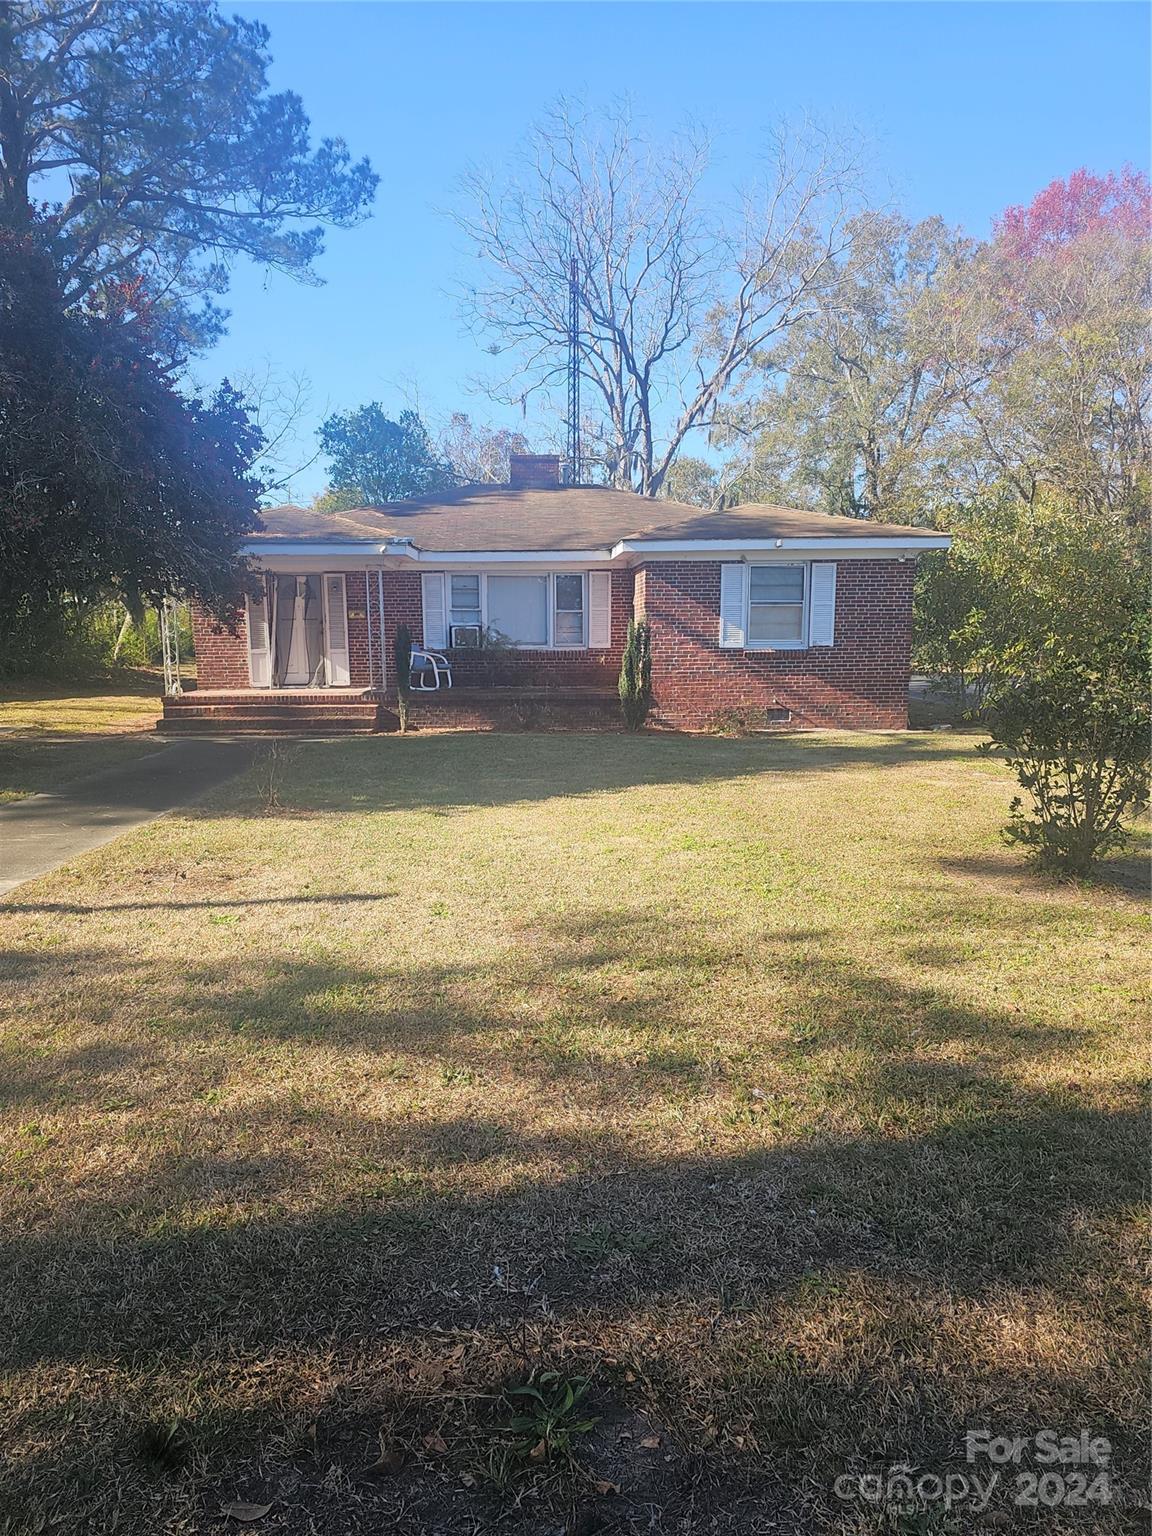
(806, 544)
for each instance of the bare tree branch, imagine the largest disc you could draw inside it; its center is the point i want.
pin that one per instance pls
(675, 302)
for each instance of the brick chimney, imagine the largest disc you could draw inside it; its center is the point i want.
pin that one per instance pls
(534, 471)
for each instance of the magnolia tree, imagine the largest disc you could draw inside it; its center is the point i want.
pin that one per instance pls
(112, 480)
(142, 152)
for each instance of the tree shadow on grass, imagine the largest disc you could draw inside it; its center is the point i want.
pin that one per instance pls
(440, 774)
(1128, 873)
(771, 1314)
(909, 1240)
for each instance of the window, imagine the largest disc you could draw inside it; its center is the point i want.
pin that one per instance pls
(542, 611)
(568, 624)
(464, 610)
(518, 609)
(776, 605)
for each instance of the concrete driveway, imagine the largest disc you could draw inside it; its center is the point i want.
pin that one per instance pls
(44, 831)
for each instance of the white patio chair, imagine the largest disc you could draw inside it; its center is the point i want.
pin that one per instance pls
(429, 669)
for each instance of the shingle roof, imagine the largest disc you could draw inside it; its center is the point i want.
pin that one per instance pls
(484, 517)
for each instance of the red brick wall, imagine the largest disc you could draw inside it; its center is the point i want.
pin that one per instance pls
(221, 651)
(402, 605)
(359, 675)
(511, 709)
(860, 682)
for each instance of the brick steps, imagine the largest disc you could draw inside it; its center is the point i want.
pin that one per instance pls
(255, 713)
(259, 714)
(221, 725)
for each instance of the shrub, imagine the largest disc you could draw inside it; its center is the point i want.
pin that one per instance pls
(1077, 736)
(82, 641)
(403, 672)
(738, 720)
(636, 676)
(1040, 612)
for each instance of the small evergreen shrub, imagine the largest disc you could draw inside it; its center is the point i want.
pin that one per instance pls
(403, 672)
(636, 675)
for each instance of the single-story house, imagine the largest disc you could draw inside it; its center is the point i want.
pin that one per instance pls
(527, 589)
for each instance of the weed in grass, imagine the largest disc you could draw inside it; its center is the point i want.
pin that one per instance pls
(598, 1243)
(551, 1415)
(454, 1075)
(163, 1446)
(269, 772)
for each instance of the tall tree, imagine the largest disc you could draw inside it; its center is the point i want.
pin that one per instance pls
(374, 460)
(850, 419)
(148, 130)
(113, 482)
(480, 455)
(676, 299)
(1049, 335)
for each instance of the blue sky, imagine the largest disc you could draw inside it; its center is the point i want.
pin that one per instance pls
(967, 108)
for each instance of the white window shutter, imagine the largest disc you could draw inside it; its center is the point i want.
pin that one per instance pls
(732, 579)
(336, 629)
(599, 610)
(259, 653)
(822, 604)
(435, 617)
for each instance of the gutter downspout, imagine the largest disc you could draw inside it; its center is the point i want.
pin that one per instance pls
(368, 617)
(380, 616)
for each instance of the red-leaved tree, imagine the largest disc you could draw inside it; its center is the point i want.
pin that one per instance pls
(1083, 204)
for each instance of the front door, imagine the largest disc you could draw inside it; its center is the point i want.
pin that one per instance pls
(292, 634)
(298, 633)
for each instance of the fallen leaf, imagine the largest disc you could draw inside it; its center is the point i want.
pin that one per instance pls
(650, 1442)
(387, 1464)
(606, 1487)
(538, 1451)
(436, 1444)
(240, 1511)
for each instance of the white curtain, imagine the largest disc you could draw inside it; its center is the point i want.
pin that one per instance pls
(518, 608)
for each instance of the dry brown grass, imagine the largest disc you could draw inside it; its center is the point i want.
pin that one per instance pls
(751, 1082)
(32, 707)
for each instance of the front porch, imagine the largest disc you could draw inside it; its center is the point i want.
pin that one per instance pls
(363, 711)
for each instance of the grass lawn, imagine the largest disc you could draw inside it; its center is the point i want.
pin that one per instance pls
(752, 1083)
(51, 733)
(129, 702)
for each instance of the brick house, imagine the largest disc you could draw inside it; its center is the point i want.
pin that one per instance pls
(527, 591)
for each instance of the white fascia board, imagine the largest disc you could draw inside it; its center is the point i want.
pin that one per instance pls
(356, 552)
(735, 547)
(354, 549)
(548, 557)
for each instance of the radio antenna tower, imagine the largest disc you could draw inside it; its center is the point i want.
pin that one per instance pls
(575, 468)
